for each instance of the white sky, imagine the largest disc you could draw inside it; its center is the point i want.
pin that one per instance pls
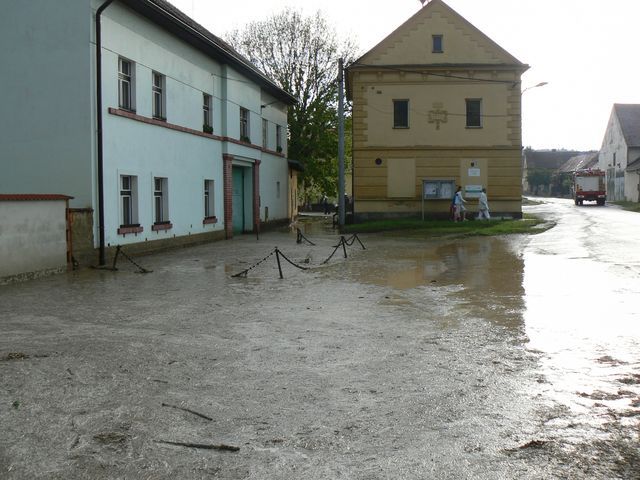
(585, 49)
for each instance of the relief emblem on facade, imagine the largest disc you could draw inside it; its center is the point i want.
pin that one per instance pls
(438, 115)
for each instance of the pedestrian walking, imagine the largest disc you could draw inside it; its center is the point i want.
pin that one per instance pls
(458, 206)
(325, 204)
(483, 206)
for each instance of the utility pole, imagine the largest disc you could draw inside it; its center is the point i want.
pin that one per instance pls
(341, 205)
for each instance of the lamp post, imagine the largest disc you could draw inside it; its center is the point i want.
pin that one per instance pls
(541, 84)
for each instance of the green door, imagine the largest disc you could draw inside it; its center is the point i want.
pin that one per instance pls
(237, 203)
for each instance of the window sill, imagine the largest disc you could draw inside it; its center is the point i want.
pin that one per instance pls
(473, 127)
(160, 119)
(400, 128)
(128, 110)
(125, 229)
(209, 220)
(158, 227)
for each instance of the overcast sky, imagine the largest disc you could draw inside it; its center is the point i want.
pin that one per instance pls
(585, 49)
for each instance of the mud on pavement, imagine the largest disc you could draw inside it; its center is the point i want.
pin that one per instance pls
(407, 360)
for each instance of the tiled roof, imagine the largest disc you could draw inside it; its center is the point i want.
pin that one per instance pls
(634, 166)
(30, 197)
(548, 159)
(580, 162)
(629, 118)
(170, 17)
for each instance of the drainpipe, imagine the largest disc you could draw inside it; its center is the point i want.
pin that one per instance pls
(101, 9)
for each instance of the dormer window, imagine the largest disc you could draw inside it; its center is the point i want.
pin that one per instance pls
(437, 43)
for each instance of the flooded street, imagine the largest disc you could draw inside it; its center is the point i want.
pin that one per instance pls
(480, 358)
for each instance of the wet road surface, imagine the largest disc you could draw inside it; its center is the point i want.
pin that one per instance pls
(443, 359)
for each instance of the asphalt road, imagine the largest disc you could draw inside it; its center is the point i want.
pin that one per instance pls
(479, 358)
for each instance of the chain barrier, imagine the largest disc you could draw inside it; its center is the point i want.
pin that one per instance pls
(119, 251)
(344, 243)
(300, 237)
(279, 252)
(245, 272)
(352, 239)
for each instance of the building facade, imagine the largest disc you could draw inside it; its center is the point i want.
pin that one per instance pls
(435, 105)
(193, 137)
(620, 153)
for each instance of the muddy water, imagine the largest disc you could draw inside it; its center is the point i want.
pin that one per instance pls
(412, 359)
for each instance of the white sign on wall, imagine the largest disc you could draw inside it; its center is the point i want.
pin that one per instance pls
(472, 191)
(474, 172)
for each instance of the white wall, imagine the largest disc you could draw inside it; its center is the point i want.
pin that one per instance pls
(147, 151)
(45, 120)
(32, 237)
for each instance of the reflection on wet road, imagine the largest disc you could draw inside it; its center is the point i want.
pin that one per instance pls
(582, 288)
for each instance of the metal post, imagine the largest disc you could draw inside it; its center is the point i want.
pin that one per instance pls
(341, 192)
(344, 246)
(278, 260)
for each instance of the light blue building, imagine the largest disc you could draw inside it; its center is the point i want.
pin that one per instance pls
(193, 136)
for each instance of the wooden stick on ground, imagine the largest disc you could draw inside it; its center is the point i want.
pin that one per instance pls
(188, 410)
(205, 446)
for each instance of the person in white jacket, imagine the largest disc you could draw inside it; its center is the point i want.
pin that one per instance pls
(483, 206)
(458, 206)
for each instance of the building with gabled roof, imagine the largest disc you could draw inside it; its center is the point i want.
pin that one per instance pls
(436, 104)
(161, 132)
(620, 153)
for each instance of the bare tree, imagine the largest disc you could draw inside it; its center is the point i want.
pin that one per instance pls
(301, 55)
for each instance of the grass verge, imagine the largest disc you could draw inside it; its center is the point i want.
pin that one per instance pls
(417, 227)
(631, 206)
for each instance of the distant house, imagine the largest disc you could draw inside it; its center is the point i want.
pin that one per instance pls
(562, 181)
(539, 167)
(620, 153)
(187, 145)
(436, 104)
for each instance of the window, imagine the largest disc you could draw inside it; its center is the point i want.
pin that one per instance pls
(278, 138)
(438, 189)
(160, 201)
(244, 125)
(209, 210)
(207, 122)
(437, 43)
(265, 133)
(128, 201)
(158, 89)
(401, 114)
(474, 113)
(125, 84)
(277, 189)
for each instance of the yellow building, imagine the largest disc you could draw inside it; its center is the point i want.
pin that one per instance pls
(436, 104)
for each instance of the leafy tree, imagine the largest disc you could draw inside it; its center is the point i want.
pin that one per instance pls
(538, 177)
(301, 55)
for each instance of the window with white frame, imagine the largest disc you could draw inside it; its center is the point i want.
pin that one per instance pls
(125, 84)
(128, 201)
(209, 206)
(244, 125)
(159, 96)
(265, 133)
(207, 121)
(279, 138)
(160, 200)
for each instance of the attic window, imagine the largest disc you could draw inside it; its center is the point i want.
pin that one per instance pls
(437, 43)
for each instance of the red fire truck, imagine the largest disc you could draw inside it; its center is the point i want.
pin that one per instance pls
(589, 186)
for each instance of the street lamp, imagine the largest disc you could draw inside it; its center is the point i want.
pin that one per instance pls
(541, 84)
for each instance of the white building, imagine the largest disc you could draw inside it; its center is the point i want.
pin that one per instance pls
(193, 142)
(620, 153)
